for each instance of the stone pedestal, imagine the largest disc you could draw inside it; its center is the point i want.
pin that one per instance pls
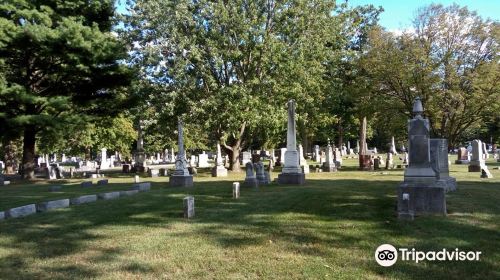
(292, 178)
(181, 181)
(474, 167)
(189, 207)
(416, 199)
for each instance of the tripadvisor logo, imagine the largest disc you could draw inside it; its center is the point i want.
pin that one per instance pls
(387, 255)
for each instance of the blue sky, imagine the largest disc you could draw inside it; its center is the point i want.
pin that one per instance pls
(398, 13)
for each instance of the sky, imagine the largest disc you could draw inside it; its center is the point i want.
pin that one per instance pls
(397, 14)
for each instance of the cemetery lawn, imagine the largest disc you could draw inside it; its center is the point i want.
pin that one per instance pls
(327, 229)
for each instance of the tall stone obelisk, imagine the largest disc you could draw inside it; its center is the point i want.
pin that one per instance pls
(181, 176)
(291, 172)
(219, 170)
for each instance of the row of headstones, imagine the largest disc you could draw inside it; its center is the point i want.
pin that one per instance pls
(63, 203)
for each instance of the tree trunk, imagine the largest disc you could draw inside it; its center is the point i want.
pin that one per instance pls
(10, 156)
(28, 170)
(234, 164)
(340, 130)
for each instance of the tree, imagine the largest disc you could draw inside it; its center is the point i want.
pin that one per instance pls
(59, 61)
(230, 66)
(450, 60)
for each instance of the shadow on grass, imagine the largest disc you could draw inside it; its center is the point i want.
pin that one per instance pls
(314, 220)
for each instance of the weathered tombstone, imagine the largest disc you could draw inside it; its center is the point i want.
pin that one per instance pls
(203, 160)
(86, 184)
(392, 149)
(302, 160)
(462, 156)
(260, 174)
(281, 161)
(389, 162)
(192, 161)
(137, 179)
(376, 163)
(102, 182)
(104, 159)
(245, 158)
(329, 164)
(236, 190)
(181, 176)
(419, 193)
(188, 207)
(219, 170)
(140, 156)
(291, 172)
(317, 156)
(439, 163)
(54, 204)
(250, 178)
(337, 156)
(477, 160)
(364, 157)
(162, 171)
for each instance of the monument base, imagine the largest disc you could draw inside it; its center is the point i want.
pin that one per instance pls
(474, 168)
(181, 181)
(461, 161)
(250, 183)
(418, 199)
(291, 178)
(219, 171)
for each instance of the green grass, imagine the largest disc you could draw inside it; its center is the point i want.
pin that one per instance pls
(327, 229)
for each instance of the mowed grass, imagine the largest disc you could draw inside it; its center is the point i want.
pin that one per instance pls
(327, 229)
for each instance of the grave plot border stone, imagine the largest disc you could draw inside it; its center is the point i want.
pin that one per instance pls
(21, 211)
(129, 192)
(108, 195)
(142, 187)
(86, 184)
(83, 199)
(54, 204)
(55, 188)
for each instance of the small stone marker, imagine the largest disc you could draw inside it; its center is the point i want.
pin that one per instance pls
(129, 193)
(108, 195)
(102, 182)
(21, 211)
(86, 184)
(83, 199)
(55, 188)
(54, 204)
(137, 179)
(153, 172)
(188, 207)
(142, 187)
(236, 190)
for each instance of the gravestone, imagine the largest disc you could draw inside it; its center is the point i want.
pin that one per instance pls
(192, 161)
(337, 156)
(250, 178)
(104, 159)
(463, 156)
(260, 174)
(188, 207)
(317, 156)
(376, 163)
(137, 179)
(486, 155)
(439, 163)
(126, 168)
(329, 164)
(389, 162)
(236, 190)
(86, 184)
(420, 192)
(282, 157)
(302, 160)
(219, 170)
(102, 182)
(291, 172)
(477, 159)
(140, 156)
(245, 158)
(181, 176)
(203, 160)
(392, 149)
